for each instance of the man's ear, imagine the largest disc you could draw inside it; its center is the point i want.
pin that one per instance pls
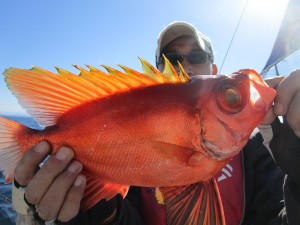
(214, 70)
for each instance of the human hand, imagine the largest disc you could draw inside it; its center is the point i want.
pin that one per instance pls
(57, 187)
(283, 140)
(287, 100)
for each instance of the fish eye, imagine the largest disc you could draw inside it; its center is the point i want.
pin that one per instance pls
(229, 99)
(232, 96)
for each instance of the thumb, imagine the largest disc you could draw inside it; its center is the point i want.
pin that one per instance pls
(286, 90)
(273, 82)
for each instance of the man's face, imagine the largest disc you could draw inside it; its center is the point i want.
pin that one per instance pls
(185, 46)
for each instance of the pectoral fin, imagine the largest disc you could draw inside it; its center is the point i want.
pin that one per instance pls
(198, 203)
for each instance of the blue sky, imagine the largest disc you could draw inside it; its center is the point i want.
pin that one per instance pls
(61, 33)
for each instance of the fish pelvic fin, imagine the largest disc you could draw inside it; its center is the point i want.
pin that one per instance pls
(46, 96)
(198, 203)
(10, 150)
(97, 190)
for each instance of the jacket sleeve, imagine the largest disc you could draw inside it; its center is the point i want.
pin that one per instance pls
(263, 185)
(285, 148)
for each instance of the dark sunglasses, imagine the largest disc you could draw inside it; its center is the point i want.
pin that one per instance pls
(197, 57)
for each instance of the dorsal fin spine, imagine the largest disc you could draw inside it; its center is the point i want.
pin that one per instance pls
(89, 88)
(100, 80)
(169, 71)
(137, 75)
(152, 72)
(121, 77)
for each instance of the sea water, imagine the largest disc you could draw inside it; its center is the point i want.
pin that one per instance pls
(7, 214)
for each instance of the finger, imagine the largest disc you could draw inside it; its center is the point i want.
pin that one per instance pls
(285, 93)
(293, 115)
(29, 163)
(269, 117)
(71, 204)
(43, 179)
(273, 82)
(48, 208)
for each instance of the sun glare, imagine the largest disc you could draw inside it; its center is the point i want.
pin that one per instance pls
(266, 9)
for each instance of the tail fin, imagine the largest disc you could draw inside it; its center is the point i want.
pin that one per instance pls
(10, 150)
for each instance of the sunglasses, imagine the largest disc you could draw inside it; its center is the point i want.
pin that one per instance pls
(195, 57)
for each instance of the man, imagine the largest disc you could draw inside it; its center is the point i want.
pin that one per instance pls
(250, 185)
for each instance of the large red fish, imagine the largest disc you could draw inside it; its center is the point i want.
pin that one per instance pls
(154, 129)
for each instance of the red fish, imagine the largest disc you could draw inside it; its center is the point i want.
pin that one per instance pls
(154, 129)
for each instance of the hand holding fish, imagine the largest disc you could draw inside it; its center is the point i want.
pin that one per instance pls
(59, 178)
(287, 104)
(287, 100)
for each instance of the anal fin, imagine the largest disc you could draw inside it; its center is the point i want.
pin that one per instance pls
(193, 204)
(97, 189)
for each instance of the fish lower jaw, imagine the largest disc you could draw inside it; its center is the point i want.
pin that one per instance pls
(217, 153)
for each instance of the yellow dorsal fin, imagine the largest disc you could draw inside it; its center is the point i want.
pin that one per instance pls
(110, 70)
(41, 70)
(88, 88)
(169, 71)
(137, 75)
(101, 80)
(46, 95)
(63, 72)
(82, 70)
(92, 69)
(152, 72)
(184, 77)
(121, 77)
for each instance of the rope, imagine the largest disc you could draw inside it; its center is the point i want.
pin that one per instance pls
(234, 35)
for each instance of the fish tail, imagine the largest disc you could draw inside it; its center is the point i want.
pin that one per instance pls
(10, 148)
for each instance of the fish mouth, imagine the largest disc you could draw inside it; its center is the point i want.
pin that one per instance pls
(221, 153)
(217, 153)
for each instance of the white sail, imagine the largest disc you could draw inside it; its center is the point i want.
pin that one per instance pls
(285, 56)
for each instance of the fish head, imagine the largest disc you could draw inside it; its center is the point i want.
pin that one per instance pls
(232, 106)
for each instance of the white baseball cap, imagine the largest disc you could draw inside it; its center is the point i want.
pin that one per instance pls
(177, 29)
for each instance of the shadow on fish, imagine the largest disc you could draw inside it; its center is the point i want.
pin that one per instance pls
(151, 129)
